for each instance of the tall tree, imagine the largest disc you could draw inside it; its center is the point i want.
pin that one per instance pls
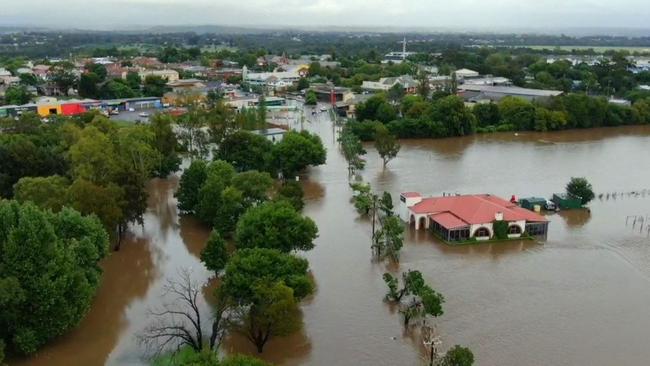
(297, 151)
(581, 188)
(191, 182)
(386, 144)
(48, 272)
(415, 298)
(264, 286)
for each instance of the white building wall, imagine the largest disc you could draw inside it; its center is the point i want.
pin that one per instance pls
(404, 204)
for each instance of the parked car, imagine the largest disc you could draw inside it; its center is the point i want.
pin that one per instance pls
(143, 114)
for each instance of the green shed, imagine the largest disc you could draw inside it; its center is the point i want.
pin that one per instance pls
(566, 202)
(529, 203)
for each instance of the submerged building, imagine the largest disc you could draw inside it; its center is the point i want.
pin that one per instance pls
(460, 218)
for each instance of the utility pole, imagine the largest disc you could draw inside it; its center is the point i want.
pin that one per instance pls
(431, 341)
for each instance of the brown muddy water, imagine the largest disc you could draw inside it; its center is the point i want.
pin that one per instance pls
(580, 298)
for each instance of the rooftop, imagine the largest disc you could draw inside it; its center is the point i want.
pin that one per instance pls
(510, 90)
(472, 210)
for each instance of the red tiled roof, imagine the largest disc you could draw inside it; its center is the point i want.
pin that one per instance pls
(448, 220)
(411, 194)
(475, 209)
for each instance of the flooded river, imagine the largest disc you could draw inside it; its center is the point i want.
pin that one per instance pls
(582, 297)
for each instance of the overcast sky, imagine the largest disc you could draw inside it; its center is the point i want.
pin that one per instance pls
(457, 14)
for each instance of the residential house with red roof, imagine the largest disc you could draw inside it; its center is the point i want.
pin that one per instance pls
(462, 217)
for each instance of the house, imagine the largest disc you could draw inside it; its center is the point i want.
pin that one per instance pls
(41, 71)
(147, 62)
(170, 75)
(489, 80)
(329, 93)
(465, 217)
(384, 84)
(478, 93)
(466, 74)
(182, 85)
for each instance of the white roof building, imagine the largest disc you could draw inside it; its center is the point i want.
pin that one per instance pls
(384, 84)
(466, 73)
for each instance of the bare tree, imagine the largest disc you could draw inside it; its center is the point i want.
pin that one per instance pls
(179, 324)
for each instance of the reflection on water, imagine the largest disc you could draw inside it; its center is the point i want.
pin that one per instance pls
(576, 218)
(581, 297)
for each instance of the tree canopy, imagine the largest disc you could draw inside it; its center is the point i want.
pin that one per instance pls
(275, 225)
(48, 272)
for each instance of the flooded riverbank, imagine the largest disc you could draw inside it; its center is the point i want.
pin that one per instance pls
(579, 298)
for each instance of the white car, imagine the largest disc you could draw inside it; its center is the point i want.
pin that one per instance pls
(143, 114)
(323, 109)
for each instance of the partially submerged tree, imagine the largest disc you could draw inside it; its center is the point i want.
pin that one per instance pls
(581, 188)
(457, 356)
(388, 241)
(386, 144)
(49, 272)
(416, 299)
(264, 287)
(215, 254)
(179, 323)
(352, 149)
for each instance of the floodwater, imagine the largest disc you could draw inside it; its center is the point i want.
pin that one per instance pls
(581, 297)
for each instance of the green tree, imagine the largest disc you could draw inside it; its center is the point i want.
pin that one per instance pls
(63, 77)
(303, 84)
(352, 149)
(581, 188)
(386, 144)
(261, 112)
(154, 86)
(93, 157)
(518, 113)
(166, 143)
(28, 79)
(254, 185)
(297, 151)
(116, 89)
(46, 192)
(424, 88)
(106, 202)
(246, 151)
(18, 95)
(451, 112)
(273, 312)
(133, 80)
(48, 272)
(88, 85)
(311, 98)
(396, 92)
(264, 286)
(275, 225)
(487, 114)
(232, 204)
(219, 176)
(458, 356)
(416, 299)
(292, 192)
(388, 241)
(215, 254)
(190, 183)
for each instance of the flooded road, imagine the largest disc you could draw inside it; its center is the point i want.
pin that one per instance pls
(579, 298)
